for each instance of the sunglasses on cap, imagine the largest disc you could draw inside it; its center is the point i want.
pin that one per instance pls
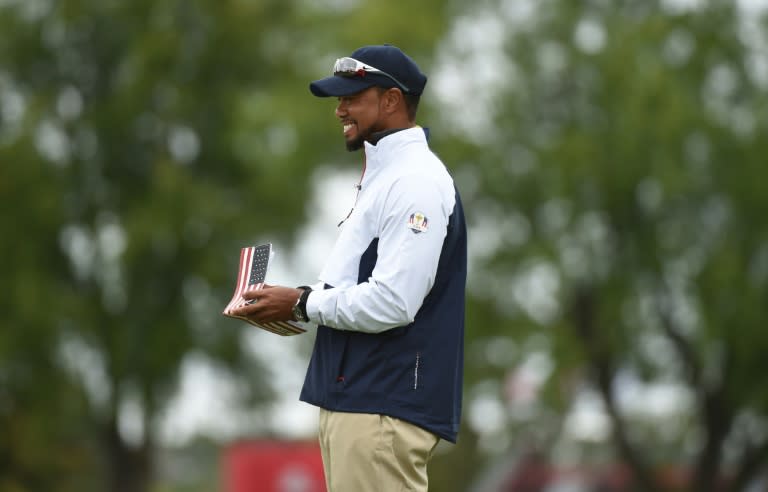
(349, 67)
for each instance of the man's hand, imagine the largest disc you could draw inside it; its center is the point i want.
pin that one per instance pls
(269, 303)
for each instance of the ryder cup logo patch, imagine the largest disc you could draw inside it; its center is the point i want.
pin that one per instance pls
(417, 222)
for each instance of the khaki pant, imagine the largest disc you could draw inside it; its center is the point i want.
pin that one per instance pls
(367, 452)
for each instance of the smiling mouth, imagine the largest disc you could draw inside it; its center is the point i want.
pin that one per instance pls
(348, 127)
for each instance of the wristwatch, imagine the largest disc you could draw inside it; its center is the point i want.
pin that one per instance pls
(299, 309)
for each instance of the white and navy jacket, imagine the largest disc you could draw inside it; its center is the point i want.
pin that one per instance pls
(391, 317)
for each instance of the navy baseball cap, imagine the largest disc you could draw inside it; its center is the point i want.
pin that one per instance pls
(380, 65)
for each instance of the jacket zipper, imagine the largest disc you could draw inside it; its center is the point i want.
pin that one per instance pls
(416, 371)
(358, 187)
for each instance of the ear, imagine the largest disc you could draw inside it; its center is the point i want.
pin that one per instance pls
(392, 100)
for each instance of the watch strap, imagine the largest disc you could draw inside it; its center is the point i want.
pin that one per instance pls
(302, 302)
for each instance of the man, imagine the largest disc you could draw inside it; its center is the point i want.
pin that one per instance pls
(387, 365)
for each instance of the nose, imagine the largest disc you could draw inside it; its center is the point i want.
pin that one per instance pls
(340, 111)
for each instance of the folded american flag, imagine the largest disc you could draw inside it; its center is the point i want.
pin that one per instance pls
(252, 273)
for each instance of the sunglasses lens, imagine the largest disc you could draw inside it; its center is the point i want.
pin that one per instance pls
(349, 67)
(345, 66)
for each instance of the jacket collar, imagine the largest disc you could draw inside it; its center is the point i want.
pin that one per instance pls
(390, 141)
(374, 138)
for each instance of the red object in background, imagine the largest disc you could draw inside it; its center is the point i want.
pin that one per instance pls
(273, 466)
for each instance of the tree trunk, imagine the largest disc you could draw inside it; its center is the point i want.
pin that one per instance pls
(717, 420)
(600, 358)
(130, 468)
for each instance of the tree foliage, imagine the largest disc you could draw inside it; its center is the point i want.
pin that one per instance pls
(143, 143)
(620, 172)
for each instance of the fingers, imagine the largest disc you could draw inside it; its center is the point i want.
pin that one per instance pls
(252, 310)
(252, 294)
(268, 303)
(258, 305)
(259, 313)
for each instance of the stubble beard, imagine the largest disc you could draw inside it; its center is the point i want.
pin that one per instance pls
(362, 135)
(355, 144)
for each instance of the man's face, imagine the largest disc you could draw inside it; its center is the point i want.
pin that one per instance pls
(359, 115)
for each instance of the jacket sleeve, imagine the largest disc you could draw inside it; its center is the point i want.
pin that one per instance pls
(412, 227)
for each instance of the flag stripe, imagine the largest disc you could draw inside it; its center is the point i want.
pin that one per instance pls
(236, 294)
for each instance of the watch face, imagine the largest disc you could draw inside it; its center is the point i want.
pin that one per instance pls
(297, 313)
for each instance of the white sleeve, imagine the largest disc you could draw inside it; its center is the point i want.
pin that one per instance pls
(413, 227)
(317, 286)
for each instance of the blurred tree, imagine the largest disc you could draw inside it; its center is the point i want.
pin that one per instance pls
(609, 157)
(612, 157)
(142, 144)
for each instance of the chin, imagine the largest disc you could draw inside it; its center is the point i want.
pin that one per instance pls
(355, 143)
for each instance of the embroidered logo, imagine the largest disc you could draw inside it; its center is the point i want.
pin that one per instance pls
(417, 222)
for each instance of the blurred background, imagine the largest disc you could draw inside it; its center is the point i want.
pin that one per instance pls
(611, 157)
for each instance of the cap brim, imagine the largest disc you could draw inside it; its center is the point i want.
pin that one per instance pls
(336, 86)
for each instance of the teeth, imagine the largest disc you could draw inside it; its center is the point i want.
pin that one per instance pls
(348, 127)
